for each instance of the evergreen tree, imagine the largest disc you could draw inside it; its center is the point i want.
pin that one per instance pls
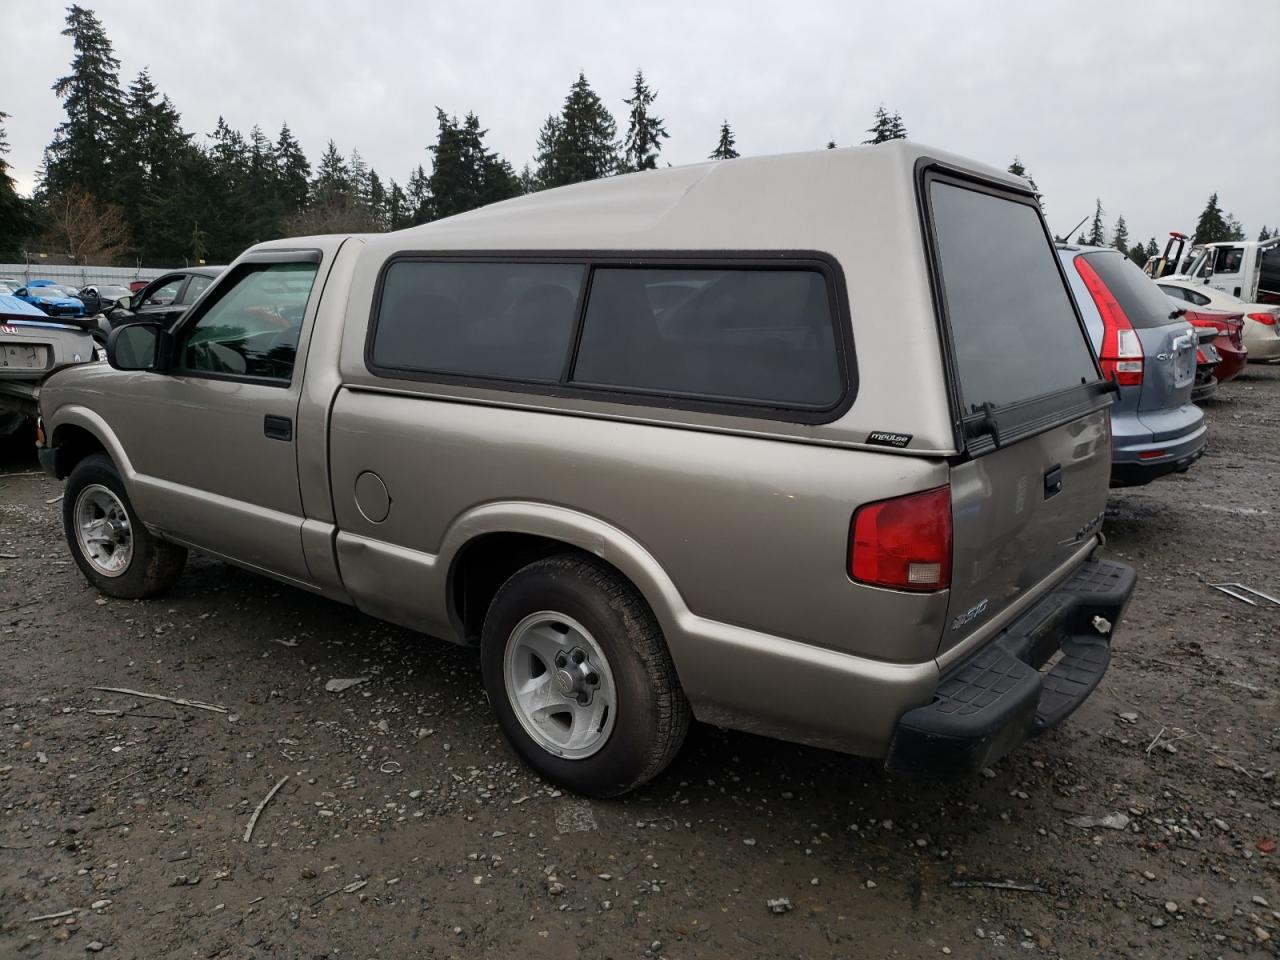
(375, 200)
(397, 208)
(1137, 253)
(419, 207)
(1097, 232)
(580, 144)
(16, 220)
(1235, 229)
(886, 126)
(726, 148)
(1120, 239)
(831, 144)
(1082, 240)
(359, 174)
(465, 174)
(1211, 226)
(293, 172)
(527, 180)
(645, 132)
(1153, 248)
(1264, 234)
(332, 182)
(1018, 170)
(84, 144)
(229, 223)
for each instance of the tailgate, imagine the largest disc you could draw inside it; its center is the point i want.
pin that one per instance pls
(31, 351)
(1019, 513)
(1030, 488)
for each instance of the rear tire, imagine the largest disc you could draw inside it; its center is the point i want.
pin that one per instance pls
(114, 551)
(577, 671)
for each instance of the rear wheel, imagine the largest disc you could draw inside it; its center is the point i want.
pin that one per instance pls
(581, 681)
(112, 548)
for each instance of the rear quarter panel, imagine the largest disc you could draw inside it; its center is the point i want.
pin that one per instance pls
(752, 532)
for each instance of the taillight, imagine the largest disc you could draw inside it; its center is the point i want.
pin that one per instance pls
(1121, 354)
(903, 543)
(1267, 319)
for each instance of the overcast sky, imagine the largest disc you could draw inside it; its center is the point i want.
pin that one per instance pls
(1151, 106)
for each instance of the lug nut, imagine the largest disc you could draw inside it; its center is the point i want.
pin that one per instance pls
(561, 659)
(592, 679)
(578, 656)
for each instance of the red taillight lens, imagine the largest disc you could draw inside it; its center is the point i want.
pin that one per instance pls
(1121, 354)
(903, 543)
(1268, 319)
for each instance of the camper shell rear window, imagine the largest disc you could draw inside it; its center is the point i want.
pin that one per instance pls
(1013, 332)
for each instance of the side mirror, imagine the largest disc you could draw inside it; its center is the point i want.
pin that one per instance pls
(1206, 271)
(138, 346)
(125, 302)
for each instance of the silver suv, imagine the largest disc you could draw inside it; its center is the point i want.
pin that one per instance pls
(812, 446)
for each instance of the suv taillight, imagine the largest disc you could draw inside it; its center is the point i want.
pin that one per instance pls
(903, 543)
(1121, 354)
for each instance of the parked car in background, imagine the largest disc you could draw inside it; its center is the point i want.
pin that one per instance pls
(136, 285)
(1228, 340)
(53, 299)
(1248, 269)
(99, 297)
(1149, 353)
(7, 288)
(1261, 332)
(165, 298)
(32, 346)
(461, 428)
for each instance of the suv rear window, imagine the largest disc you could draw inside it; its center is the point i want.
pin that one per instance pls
(1138, 295)
(753, 335)
(1014, 329)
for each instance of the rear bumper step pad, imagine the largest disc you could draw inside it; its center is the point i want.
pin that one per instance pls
(999, 698)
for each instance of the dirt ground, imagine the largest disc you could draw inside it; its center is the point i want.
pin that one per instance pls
(406, 828)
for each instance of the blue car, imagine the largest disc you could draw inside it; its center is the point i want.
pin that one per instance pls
(51, 298)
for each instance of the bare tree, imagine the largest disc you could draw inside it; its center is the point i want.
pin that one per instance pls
(338, 214)
(88, 231)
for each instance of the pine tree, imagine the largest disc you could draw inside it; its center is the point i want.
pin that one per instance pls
(1211, 226)
(1097, 231)
(645, 133)
(293, 172)
(16, 220)
(831, 144)
(528, 180)
(1264, 234)
(1235, 229)
(84, 144)
(726, 148)
(1082, 240)
(886, 126)
(397, 208)
(375, 201)
(465, 174)
(1153, 248)
(1137, 253)
(1120, 239)
(580, 144)
(332, 182)
(1018, 170)
(418, 207)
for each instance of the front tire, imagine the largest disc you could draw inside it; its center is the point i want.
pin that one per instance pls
(114, 551)
(580, 678)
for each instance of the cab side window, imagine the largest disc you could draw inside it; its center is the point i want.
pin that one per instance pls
(252, 329)
(164, 295)
(196, 286)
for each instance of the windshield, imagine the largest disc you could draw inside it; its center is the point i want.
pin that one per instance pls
(1193, 269)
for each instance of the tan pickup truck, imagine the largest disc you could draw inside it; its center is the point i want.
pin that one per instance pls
(812, 446)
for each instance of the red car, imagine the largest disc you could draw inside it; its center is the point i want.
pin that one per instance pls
(1229, 341)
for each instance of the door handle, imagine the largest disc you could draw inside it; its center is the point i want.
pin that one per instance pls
(1053, 481)
(277, 428)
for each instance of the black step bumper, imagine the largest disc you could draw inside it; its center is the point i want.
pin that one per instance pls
(999, 698)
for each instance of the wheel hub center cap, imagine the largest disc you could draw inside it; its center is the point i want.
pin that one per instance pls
(566, 683)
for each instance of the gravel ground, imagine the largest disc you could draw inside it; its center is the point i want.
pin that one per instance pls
(406, 828)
